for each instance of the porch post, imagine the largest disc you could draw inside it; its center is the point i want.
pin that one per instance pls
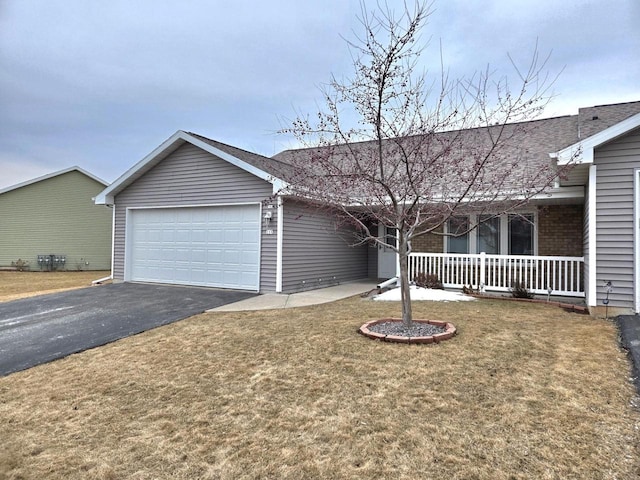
(483, 259)
(398, 255)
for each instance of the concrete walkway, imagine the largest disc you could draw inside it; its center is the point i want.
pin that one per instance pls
(301, 299)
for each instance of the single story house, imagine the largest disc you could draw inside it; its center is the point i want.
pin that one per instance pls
(199, 212)
(52, 223)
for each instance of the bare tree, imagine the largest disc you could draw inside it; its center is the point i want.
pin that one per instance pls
(422, 150)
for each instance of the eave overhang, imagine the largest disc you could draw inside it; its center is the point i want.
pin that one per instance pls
(582, 151)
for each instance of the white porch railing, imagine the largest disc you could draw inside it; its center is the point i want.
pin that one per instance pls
(563, 275)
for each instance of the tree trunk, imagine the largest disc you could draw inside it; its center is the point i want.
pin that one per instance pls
(407, 316)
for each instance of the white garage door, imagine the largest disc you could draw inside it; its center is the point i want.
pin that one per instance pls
(206, 246)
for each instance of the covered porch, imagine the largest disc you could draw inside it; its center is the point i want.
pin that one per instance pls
(540, 248)
(542, 275)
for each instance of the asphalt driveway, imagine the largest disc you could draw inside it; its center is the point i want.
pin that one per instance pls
(41, 329)
(629, 326)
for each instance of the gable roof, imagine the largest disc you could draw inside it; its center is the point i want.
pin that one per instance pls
(52, 175)
(545, 136)
(550, 137)
(526, 150)
(272, 166)
(262, 167)
(540, 138)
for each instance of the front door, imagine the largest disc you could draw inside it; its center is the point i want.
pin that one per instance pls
(386, 256)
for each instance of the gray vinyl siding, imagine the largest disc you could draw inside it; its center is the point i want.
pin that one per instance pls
(314, 253)
(268, 254)
(577, 175)
(56, 216)
(372, 267)
(191, 176)
(616, 162)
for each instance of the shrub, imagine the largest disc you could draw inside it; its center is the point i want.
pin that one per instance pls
(520, 290)
(21, 265)
(428, 280)
(469, 290)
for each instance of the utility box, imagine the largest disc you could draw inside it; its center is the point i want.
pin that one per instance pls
(52, 262)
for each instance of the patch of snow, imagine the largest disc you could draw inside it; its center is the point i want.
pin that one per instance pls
(418, 293)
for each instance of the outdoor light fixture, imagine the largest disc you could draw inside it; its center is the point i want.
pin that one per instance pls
(549, 290)
(609, 288)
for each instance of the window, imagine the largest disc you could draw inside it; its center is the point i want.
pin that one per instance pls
(512, 234)
(390, 236)
(488, 235)
(458, 241)
(521, 234)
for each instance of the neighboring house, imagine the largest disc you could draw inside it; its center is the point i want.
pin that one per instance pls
(52, 222)
(199, 212)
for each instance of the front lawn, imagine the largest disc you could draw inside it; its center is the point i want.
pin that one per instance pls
(524, 391)
(15, 285)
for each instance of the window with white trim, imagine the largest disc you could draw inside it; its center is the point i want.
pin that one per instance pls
(458, 238)
(507, 234)
(488, 234)
(521, 233)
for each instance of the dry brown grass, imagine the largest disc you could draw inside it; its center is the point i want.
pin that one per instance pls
(523, 392)
(15, 285)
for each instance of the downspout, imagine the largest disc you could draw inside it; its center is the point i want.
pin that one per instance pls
(113, 237)
(280, 231)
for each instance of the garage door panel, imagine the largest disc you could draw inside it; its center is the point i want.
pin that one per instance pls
(233, 236)
(199, 235)
(250, 259)
(183, 255)
(208, 246)
(199, 256)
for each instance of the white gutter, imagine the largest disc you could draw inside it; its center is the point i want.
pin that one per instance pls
(113, 237)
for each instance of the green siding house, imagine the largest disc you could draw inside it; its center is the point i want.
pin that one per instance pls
(51, 222)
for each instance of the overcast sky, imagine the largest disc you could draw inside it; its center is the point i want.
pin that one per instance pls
(100, 84)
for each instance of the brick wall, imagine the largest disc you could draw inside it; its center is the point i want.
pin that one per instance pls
(560, 230)
(428, 243)
(559, 233)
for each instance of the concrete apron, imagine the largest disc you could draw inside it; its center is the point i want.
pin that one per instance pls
(302, 299)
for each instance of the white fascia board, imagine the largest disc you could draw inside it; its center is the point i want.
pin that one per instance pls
(558, 193)
(592, 294)
(279, 186)
(51, 175)
(178, 138)
(584, 148)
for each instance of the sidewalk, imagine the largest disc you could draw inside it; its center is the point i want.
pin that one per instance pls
(301, 299)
